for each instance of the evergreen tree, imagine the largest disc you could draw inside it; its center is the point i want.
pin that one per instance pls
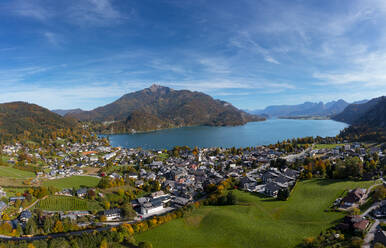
(31, 227)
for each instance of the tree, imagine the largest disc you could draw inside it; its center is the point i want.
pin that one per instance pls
(128, 211)
(283, 194)
(104, 244)
(231, 198)
(58, 227)
(354, 167)
(356, 211)
(380, 193)
(102, 218)
(31, 227)
(145, 244)
(379, 245)
(19, 230)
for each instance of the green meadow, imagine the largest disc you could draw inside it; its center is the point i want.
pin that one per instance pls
(72, 182)
(327, 146)
(255, 221)
(15, 173)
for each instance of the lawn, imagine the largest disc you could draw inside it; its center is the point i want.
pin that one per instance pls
(12, 191)
(327, 146)
(67, 203)
(73, 182)
(15, 173)
(256, 222)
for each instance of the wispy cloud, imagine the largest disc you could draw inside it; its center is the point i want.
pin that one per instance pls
(30, 8)
(78, 12)
(89, 96)
(95, 13)
(368, 70)
(244, 41)
(53, 38)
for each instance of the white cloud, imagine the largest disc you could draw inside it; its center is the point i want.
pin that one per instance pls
(30, 8)
(53, 38)
(245, 42)
(78, 12)
(94, 12)
(367, 70)
(215, 65)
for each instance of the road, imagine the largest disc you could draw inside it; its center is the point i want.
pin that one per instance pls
(370, 234)
(35, 202)
(293, 157)
(374, 206)
(104, 228)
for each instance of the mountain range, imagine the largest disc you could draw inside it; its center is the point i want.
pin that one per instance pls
(305, 109)
(63, 112)
(160, 107)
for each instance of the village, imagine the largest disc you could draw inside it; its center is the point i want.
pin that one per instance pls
(165, 181)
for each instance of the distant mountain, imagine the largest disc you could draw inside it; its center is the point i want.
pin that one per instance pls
(23, 119)
(361, 101)
(371, 113)
(63, 112)
(304, 109)
(161, 107)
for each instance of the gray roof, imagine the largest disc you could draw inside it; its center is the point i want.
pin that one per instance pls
(2, 205)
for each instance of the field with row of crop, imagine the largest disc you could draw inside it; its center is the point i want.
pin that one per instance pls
(67, 203)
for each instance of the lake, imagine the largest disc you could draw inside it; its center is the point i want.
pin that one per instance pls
(251, 134)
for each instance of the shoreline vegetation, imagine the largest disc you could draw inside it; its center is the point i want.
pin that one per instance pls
(306, 117)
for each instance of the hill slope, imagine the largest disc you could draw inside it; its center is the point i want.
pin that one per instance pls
(355, 113)
(24, 119)
(160, 107)
(368, 120)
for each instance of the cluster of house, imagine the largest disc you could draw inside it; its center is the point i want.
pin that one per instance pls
(69, 160)
(268, 180)
(355, 149)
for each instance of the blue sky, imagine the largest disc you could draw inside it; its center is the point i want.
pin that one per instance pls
(252, 53)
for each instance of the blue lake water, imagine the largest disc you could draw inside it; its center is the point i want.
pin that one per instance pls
(251, 134)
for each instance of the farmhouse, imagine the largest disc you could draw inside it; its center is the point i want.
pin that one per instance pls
(157, 194)
(381, 211)
(353, 197)
(15, 198)
(81, 192)
(112, 214)
(25, 216)
(271, 189)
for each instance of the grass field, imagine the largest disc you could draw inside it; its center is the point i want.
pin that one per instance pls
(74, 181)
(67, 203)
(15, 173)
(328, 146)
(13, 191)
(256, 222)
